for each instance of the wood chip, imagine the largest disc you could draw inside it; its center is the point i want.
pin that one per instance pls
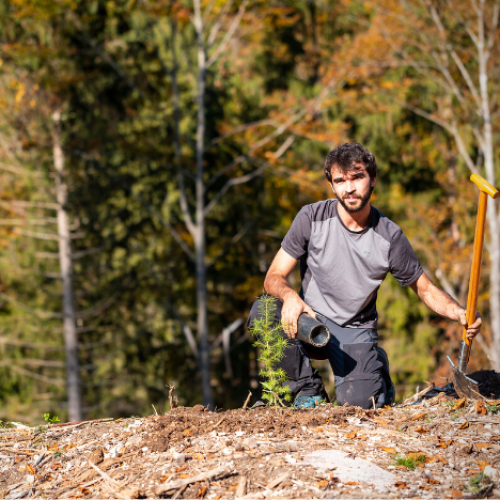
(241, 490)
(278, 480)
(223, 469)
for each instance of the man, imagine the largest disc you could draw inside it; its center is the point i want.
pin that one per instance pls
(346, 247)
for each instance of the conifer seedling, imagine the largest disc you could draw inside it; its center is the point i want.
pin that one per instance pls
(272, 346)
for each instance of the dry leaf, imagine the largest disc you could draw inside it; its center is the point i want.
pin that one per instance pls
(381, 421)
(351, 483)
(198, 456)
(444, 444)
(460, 404)
(455, 494)
(392, 451)
(441, 459)
(181, 469)
(217, 496)
(30, 469)
(482, 464)
(201, 492)
(85, 491)
(322, 484)
(213, 483)
(400, 484)
(351, 435)
(363, 438)
(480, 408)
(319, 429)
(482, 446)
(424, 487)
(431, 480)
(421, 430)
(464, 425)
(418, 416)
(183, 476)
(188, 433)
(233, 487)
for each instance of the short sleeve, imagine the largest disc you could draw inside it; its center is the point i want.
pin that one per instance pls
(403, 262)
(297, 239)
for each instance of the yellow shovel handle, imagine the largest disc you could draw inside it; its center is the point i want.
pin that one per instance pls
(486, 189)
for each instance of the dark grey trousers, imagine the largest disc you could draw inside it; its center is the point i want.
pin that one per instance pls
(352, 353)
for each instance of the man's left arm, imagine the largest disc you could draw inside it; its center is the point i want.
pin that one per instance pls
(442, 304)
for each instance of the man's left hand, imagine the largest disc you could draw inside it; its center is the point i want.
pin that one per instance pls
(475, 328)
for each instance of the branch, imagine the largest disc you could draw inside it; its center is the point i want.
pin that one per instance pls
(97, 309)
(447, 287)
(104, 55)
(35, 312)
(437, 21)
(216, 27)
(19, 170)
(30, 345)
(233, 182)
(25, 222)
(452, 129)
(36, 376)
(32, 362)
(228, 35)
(240, 128)
(226, 337)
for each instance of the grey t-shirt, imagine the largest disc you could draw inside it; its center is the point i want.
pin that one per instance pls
(342, 270)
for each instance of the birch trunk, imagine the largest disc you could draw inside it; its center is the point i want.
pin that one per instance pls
(492, 218)
(69, 313)
(199, 238)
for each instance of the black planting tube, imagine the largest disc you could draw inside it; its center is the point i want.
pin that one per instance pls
(313, 332)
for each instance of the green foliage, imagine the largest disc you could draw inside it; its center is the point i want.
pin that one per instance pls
(410, 462)
(493, 408)
(49, 419)
(478, 482)
(271, 345)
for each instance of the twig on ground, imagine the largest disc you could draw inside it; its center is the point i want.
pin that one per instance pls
(194, 479)
(173, 399)
(107, 480)
(247, 400)
(18, 452)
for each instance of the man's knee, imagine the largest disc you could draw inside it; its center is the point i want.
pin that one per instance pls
(364, 393)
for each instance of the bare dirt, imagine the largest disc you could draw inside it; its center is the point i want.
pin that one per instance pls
(262, 453)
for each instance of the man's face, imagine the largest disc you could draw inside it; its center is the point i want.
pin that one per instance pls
(353, 189)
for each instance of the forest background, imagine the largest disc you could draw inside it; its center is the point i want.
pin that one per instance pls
(153, 154)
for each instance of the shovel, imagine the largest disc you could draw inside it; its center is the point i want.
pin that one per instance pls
(464, 385)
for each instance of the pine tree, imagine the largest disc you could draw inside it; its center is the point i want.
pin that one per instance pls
(272, 346)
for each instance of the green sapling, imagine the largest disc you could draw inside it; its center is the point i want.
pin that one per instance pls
(272, 346)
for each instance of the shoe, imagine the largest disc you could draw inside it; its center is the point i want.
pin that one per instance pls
(302, 402)
(390, 396)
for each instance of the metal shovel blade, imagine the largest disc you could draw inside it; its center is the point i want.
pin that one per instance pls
(464, 385)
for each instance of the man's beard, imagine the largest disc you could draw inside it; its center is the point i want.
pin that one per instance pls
(364, 201)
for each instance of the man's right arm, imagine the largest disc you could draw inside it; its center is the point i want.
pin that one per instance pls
(276, 284)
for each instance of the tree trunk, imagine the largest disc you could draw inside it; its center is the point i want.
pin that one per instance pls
(199, 240)
(69, 313)
(489, 166)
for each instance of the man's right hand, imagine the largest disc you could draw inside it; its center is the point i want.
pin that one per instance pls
(293, 307)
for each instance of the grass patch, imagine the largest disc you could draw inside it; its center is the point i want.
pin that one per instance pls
(411, 463)
(479, 484)
(492, 408)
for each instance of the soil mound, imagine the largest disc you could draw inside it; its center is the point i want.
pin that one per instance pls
(488, 381)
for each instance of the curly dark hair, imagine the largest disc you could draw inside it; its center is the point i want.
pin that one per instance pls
(346, 156)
